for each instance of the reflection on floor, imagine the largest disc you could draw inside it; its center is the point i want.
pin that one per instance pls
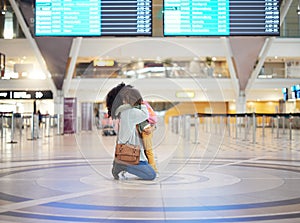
(214, 178)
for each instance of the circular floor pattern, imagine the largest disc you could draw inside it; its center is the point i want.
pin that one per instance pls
(75, 192)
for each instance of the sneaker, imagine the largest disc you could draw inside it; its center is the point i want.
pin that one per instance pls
(117, 168)
(115, 174)
(123, 175)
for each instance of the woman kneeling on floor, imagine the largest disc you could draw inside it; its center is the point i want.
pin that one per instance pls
(125, 103)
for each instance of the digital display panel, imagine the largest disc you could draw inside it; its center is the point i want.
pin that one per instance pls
(221, 18)
(295, 91)
(93, 18)
(26, 95)
(285, 90)
(285, 93)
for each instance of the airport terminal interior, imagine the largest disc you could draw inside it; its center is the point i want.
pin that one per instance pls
(227, 139)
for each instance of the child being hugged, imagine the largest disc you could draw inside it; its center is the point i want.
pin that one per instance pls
(146, 129)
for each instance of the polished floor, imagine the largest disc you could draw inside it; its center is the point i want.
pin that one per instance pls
(206, 176)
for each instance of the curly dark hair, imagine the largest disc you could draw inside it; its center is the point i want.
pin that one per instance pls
(110, 98)
(119, 95)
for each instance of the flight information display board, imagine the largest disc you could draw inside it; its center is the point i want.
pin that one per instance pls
(93, 18)
(221, 18)
(26, 95)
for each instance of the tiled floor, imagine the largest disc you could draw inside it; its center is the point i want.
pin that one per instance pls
(214, 178)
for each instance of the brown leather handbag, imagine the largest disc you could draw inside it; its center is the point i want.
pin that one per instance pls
(127, 154)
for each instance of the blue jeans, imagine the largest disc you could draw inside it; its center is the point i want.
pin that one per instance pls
(143, 170)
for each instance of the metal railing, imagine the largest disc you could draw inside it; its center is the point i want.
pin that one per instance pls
(14, 126)
(239, 126)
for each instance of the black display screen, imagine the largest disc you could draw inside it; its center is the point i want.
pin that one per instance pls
(221, 18)
(26, 95)
(93, 18)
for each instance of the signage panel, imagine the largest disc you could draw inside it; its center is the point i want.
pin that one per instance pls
(70, 115)
(26, 95)
(221, 18)
(93, 18)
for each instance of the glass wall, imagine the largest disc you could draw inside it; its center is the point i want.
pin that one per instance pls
(290, 26)
(193, 67)
(9, 26)
(280, 68)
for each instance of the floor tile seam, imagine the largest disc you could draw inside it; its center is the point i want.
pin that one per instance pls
(190, 161)
(236, 218)
(233, 162)
(239, 162)
(53, 162)
(41, 201)
(264, 162)
(293, 202)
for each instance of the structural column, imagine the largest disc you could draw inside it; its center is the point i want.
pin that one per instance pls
(241, 103)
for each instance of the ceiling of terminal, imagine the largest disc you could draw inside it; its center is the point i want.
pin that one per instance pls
(20, 52)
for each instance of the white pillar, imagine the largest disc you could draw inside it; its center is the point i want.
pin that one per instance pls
(241, 103)
(59, 103)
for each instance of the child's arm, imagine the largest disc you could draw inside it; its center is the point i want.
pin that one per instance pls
(148, 130)
(152, 118)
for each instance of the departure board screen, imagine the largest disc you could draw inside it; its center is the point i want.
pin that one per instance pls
(221, 18)
(93, 18)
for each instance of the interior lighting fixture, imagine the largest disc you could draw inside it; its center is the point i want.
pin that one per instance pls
(8, 32)
(3, 7)
(185, 94)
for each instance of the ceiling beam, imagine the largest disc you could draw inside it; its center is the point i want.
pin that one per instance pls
(267, 45)
(32, 42)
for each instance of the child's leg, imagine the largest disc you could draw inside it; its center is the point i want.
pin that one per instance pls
(147, 140)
